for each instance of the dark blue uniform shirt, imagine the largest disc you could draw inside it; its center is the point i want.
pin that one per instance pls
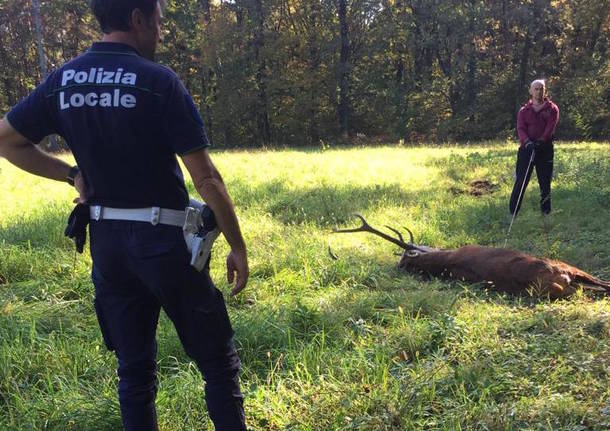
(125, 118)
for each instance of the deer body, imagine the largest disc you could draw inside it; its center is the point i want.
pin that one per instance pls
(504, 269)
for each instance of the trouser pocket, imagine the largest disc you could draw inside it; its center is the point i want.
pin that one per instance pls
(215, 322)
(204, 326)
(103, 326)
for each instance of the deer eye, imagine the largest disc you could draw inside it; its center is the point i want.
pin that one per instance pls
(412, 253)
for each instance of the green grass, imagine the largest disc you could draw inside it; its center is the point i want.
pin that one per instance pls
(351, 344)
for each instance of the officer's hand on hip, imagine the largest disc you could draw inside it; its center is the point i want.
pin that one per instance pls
(237, 262)
(81, 187)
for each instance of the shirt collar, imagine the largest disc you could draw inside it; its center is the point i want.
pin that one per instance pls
(113, 47)
(530, 103)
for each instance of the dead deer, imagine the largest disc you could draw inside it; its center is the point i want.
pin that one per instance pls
(503, 269)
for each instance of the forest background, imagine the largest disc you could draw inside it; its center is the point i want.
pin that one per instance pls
(322, 72)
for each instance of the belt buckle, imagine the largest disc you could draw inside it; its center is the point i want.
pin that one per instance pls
(97, 212)
(154, 215)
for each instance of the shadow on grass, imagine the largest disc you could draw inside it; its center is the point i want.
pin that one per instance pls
(320, 205)
(329, 205)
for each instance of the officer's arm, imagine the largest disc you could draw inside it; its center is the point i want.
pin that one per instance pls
(209, 184)
(25, 155)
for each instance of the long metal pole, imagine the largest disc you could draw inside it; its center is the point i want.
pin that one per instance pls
(519, 198)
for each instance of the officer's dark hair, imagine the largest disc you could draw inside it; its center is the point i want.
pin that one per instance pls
(115, 15)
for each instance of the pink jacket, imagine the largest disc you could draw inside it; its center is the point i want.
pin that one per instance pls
(532, 125)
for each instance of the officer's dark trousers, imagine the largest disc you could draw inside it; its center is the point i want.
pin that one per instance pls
(543, 162)
(137, 269)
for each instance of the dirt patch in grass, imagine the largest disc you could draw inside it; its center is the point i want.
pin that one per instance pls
(476, 188)
(482, 187)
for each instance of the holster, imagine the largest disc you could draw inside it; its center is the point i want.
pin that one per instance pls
(200, 232)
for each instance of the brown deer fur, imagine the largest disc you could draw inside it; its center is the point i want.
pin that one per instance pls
(504, 269)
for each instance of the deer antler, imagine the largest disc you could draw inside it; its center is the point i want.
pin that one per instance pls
(367, 228)
(400, 235)
(410, 234)
(397, 232)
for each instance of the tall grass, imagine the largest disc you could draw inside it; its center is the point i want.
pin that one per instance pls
(347, 344)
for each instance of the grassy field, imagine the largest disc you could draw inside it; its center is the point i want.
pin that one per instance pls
(351, 344)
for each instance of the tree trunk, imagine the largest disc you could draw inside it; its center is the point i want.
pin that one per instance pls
(9, 89)
(314, 62)
(205, 4)
(344, 67)
(596, 32)
(455, 93)
(401, 45)
(53, 145)
(471, 92)
(206, 76)
(522, 74)
(262, 116)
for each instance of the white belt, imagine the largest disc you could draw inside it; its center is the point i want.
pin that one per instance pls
(152, 215)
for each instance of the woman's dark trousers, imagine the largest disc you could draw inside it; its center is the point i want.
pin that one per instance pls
(543, 162)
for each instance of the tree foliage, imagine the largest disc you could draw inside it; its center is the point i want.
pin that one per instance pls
(301, 72)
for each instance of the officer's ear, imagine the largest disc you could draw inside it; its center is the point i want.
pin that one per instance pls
(138, 19)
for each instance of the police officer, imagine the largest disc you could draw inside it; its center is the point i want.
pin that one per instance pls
(125, 118)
